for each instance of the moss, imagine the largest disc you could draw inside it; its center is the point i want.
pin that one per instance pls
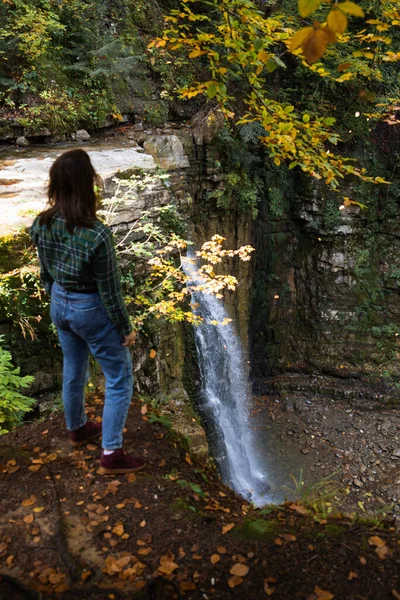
(331, 530)
(257, 529)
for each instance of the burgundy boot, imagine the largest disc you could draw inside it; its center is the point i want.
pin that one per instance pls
(87, 432)
(119, 462)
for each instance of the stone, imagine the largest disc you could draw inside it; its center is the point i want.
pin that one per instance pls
(358, 483)
(22, 141)
(167, 151)
(82, 135)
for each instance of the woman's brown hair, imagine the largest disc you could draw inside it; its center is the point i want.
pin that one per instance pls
(71, 191)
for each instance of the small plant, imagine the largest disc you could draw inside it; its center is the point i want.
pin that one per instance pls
(317, 496)
(194, 487)
(162, 420)
(13, 404)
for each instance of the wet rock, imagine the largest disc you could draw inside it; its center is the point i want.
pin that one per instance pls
(82, 135)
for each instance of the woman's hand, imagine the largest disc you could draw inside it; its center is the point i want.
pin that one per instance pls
(130, 339)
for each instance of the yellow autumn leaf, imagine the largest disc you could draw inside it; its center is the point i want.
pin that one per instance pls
(351, 8)
(376, 541)
(29, 501)
(306, 7)
(227, 528)
(167, 567)
(337, 21)
(323, 594)
(299, 38)
(234, 581)
(239, 569)
(29, 519)
(382, 551)
(315, 45)
(118, 529)
(195, 53)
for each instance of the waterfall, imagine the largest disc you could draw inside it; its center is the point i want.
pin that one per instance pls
(225, 397)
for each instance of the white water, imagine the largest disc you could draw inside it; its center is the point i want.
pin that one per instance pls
(225, 398)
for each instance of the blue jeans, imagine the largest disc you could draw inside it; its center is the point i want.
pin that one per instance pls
(83, 325)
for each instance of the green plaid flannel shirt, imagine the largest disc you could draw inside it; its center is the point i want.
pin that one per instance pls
(84, 261)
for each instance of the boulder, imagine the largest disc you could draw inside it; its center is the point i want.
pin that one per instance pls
(82, 135)
(167, 151)
(22, 141)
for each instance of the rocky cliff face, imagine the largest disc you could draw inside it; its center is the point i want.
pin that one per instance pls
(326, 282)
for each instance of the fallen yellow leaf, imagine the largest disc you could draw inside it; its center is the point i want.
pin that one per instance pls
(29, 501)
(227, 528)
(323, 594)
(118, 529)
(234, 581)
(376, 541)
(239, 569)
(29, 519)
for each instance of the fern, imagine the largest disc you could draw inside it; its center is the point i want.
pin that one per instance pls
(13, 404)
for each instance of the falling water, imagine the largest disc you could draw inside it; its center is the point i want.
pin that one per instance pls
(225, 398)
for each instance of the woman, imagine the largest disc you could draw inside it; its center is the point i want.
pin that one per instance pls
(78, 268)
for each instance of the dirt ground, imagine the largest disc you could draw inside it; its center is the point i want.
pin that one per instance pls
(173, 530)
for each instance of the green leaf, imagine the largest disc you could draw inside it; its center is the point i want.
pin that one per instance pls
(258, 44)
(306, 118)
(270, 65)
(222, 88)
(212, 90)
(306, 7)
(329, 121)
(279, 62)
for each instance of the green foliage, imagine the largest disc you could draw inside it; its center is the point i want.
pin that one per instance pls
(241, 48)
(238, 191)
(70, 62)
(162, 420)
(332, 215)
(13, 404)
(22, 299)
